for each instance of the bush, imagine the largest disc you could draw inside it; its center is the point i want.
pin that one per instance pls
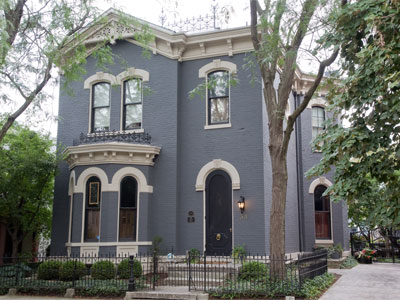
(312, 289)
(72, 270)
(252, 270)
(349, 263)
(102, 291)
(239, 251)
(194, 255)
(19, 270)
(103, 270)
(49, 270)
(124, 269)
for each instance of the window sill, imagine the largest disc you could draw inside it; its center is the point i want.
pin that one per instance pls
(140, 130)
(218, 126)
(324, 242)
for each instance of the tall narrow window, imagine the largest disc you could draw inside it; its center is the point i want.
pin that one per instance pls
(218, 97)
(92, 210)
(132, 113)
(101, 107)
(128, 209)
(322, 213)
(318, 118)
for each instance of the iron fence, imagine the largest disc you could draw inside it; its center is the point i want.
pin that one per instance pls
(248, 274)
(113, 136)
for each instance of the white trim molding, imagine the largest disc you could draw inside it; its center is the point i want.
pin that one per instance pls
(135, 173)
(217, 164)
(319, 101)
(217, 64)
(72, 181)
(88, 244)
(132, 73)
(80, 186)
(111, 153)
(99, 77)
(319, 181)
(218, 126)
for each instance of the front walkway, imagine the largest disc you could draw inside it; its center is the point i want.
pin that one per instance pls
(367, 282)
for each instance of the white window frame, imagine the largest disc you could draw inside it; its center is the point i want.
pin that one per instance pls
(218, 65)
(131, 73)
(89, 83)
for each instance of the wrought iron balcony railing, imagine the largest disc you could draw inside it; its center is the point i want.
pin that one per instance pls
(113, 136)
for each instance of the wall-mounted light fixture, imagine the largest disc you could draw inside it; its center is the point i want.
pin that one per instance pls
(241, 204)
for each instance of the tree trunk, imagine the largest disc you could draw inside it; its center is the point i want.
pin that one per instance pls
(278, 206)
(15, 244)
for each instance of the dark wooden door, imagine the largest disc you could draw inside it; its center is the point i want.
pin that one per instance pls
(218, 213)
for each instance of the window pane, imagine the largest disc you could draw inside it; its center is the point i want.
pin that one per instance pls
(219, 110)
(321, 202)
(128, 192)
(218, 84)
(133, 91)
(101, 94)
(101, 119)
(92, 224)
(133, 116)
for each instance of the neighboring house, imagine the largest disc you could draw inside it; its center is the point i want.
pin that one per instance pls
(141, 165)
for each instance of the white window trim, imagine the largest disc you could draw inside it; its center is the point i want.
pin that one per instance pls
(326, 182)
(142, 187)
(131, 73)
(218, 65)
(71, 205)
(319, 101)
(205, 171)
(89, 83)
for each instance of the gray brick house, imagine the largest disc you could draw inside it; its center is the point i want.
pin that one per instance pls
(145, 164)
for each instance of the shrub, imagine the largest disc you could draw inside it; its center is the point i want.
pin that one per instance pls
(124, 269)
(103, 270)
(239, 251)
(252, 270)
(349, 263)
(102, 291)
(312, 289)
(72, 270)
(49, 270)
(18, 270)
(194, 255)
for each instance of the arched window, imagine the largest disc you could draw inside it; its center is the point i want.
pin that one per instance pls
(318, 118)
(101, 107)
(128, 209)
(132, 110)
(92, 209)
(322, 207)
(218, 97)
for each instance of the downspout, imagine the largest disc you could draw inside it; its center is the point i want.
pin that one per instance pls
(299, 172)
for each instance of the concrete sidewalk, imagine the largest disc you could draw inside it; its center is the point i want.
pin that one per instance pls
(368, 282)
(19, 297)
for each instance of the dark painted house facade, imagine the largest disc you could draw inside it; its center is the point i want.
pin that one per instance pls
(144, 160)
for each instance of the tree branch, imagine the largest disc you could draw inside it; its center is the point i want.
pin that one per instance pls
(253, 24)
(292, 118)
(28, 100)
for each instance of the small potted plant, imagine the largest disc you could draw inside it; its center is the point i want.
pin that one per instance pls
(365, 256)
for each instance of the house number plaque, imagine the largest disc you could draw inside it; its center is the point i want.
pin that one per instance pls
(190, 218)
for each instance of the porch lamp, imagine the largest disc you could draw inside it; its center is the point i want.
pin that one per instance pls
(241, 204)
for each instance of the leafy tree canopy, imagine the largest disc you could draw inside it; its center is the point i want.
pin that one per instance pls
(28, 165)
(366, 154)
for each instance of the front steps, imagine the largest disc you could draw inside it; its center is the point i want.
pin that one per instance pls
(169, 293)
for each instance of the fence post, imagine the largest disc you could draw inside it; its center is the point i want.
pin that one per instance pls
(155, 263)
(393, 257)
(204, 270)
(74, 273)
(351, 243)
(131, 284)
(190, 271)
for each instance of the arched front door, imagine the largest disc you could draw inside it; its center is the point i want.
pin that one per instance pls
(218, 213)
